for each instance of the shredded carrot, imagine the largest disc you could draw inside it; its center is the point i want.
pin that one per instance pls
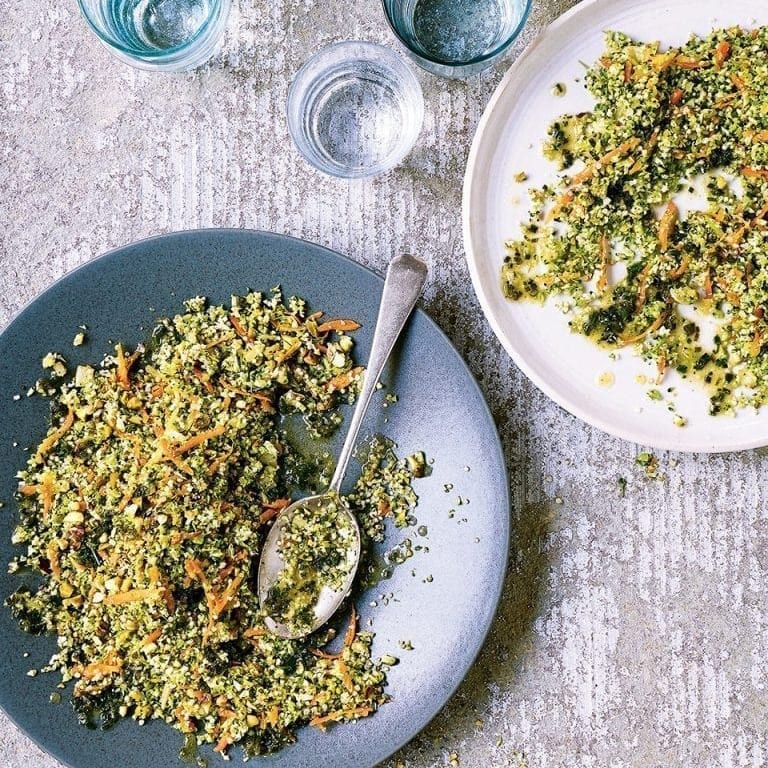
(218, 341)
(349, 637)
(194, 570)
(223, 744)
(268, 514)
(321, 654)
(343, 380)
(738, 82)
(662, 61)
(221, 603)
(688, 62)
(99, 668)
(52, 550)
(343, 714)
(50, 441)
(589, 173)
(265, 400)
(736, 236)
(276, 504)
(565, 200)
(722, 53)
(253, 632)
(127, 498)
(627, 71)
(290, 352)
(720, 104)
(316, 315)
(240, 329)
(46, 493)
(761, 214)
(131, 596)
(121, 372)
(676, 98)
(157, 578)
(667, 225)
(755, 173)
(198, 373)
(339, 324)
(217, 462)
(124, 365)
(199, 439)
(682, 269)
(151, 637)
(708, 285)
(44, 490)
(619, 151)
(273, 715)
(345, 676)
(605, 260)
(657, 323)
(642, 291)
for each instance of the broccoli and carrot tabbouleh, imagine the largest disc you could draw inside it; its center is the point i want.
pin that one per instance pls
(609, 238)
(144, 508)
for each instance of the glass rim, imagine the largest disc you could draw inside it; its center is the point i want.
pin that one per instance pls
(468, 62)
(295, 121)
(159, 54)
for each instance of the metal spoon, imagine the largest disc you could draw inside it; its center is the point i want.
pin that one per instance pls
(405, 279)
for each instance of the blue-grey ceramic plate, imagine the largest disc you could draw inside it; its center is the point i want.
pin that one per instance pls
(440, 410)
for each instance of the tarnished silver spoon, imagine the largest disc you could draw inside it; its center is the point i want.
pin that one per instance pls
(404, 282)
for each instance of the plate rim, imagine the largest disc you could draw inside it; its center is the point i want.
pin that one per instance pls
(504, 501)
(471, 191)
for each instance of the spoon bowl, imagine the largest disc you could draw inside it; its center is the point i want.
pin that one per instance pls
(271, 564)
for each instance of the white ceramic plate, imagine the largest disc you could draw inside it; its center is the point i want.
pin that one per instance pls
(565, 366)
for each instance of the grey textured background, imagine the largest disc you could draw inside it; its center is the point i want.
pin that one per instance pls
(632, 631)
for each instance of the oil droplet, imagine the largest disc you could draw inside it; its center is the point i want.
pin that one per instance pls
(606, 379)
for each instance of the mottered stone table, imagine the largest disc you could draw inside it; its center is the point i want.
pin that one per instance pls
(632, 632)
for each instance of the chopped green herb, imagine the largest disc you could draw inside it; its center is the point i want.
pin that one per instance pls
(144, 509)
(661, 119)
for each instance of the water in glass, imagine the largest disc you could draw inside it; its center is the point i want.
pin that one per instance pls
(355, 109)
(153, 25)
(459, 30)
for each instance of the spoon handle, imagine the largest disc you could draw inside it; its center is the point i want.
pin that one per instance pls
(405, 280)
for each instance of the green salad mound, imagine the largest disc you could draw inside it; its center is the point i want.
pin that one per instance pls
(610, 238)
(144, 509)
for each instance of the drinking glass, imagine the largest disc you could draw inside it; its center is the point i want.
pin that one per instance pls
(170, 35)
(355, 109)
(456, 38)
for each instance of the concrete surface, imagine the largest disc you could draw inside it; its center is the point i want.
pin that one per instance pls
(632, 632)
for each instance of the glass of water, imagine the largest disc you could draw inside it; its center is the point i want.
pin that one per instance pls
(171, 35)
(355, 109)
(456, 38)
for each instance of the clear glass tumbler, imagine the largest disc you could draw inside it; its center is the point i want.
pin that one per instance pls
(355, 109)
(456, 38)
(170, 35)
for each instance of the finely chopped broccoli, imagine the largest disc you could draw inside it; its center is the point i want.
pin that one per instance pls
(144, 509)
(609, 237)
